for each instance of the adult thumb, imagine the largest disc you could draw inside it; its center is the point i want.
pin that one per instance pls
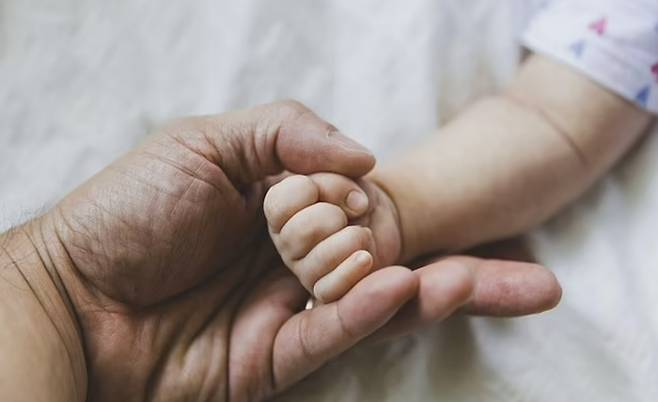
(250, 144)
(307, 144)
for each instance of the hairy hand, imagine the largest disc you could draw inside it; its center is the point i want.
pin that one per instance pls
(178, 291)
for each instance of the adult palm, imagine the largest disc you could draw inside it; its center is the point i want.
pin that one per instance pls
(176, 287)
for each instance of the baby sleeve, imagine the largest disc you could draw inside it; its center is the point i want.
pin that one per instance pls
(614, 42)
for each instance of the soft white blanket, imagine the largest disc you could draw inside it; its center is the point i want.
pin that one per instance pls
(80, 82)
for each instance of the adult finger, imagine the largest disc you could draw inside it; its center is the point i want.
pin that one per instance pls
(509, 288)
(312, 337)
(475, 286)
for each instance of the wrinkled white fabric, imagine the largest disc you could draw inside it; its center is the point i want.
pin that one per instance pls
(81, 82)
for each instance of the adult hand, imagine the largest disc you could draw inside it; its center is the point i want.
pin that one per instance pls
(175, 288)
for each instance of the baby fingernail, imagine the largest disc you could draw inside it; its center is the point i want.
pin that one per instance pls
(363, 257)
(357, 201)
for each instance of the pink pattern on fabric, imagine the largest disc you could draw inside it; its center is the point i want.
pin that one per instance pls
(654, 71)
(599, 26)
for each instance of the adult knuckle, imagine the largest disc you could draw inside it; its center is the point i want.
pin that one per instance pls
(346, 329)
(291, 106)
(303, 336)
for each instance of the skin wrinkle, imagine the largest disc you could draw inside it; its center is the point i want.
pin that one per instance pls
(243, 175)
(142, 334)
(344, 329)
(146, 232)
(387, 199)
(259, 141)
(129, 245)
(210, 125)
(217, 157)
(100, 225)
(14, 263)
(66, 302)
(243, 147)
(159, 362)
(270, 142)
(176, 166)
(473, 291)
(75, 272)
(157, 371)
(302, 330)
(247, 275)
(271, 354)
(234, 293)
(273, 381)
(214, 370)
(544, 115)
(193, 174)
(180, 138)
(69, 353)
(12, 260)
(210, 387)
(263, 144)
(68, 305)
(125, 222)
(398, 220)
(240, 299)
(83, 278)
(129, 175)
(295, 111)
(274, 384)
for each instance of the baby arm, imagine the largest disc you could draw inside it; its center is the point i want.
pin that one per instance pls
(509, 162)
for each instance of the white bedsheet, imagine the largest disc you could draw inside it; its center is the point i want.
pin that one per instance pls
(80, 82)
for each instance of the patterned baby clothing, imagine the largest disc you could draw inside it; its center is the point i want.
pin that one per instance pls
(614, 42)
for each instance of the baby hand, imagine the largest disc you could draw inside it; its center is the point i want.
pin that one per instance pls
(332, 231)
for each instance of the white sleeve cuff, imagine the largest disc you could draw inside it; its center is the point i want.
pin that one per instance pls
(613, 42)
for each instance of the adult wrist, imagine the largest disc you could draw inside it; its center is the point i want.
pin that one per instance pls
(41, 332)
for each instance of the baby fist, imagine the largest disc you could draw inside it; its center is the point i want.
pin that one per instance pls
(328, 229)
